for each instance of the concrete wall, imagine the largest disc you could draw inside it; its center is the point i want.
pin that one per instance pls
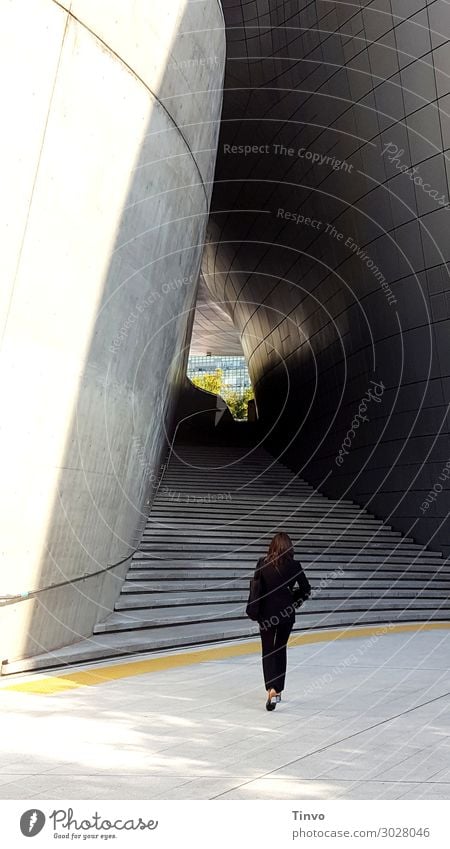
(329, 243)
(109, 144)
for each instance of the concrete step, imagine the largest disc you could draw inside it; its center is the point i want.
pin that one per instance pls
(323, 563)
(188, 583)
(158, 585)
(254, 489)
(321, 560)
(221, 540)
(103, 646)
(218, 458)
(149, 601)
(182, 599)
(208, 613)
(253, 524)
(276, 502)
(180, 616)
(339, 552)
(262, 512)
(245, 485)
(217, 572)
(228, 534)
(380, 580)
(205, 518)
(264, 499)
(245, 555)
(326, 534)
(199, 477)
(318, 542)
(225, 479)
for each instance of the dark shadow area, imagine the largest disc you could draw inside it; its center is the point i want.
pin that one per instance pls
(328, 247)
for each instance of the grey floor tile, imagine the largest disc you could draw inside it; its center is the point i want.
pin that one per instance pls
(429, 790)
(187, 734)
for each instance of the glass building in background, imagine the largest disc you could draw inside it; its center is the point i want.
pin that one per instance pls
(235, 371)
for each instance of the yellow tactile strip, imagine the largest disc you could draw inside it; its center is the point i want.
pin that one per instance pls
(112, 672)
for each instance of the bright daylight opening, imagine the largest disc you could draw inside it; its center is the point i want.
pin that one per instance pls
(225, 376)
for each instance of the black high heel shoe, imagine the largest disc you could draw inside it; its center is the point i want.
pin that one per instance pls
(273, 700)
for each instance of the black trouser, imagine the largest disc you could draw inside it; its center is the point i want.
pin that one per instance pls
(274, 654)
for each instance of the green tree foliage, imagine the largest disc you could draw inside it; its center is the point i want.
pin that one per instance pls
(211, 381)
(236, 401)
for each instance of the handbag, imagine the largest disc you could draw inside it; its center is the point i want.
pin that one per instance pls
(254, 596)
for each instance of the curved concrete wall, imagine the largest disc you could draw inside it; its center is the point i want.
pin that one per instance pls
(329, 238)
(110, 147)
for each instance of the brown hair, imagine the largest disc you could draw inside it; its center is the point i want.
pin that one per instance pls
(280, 550)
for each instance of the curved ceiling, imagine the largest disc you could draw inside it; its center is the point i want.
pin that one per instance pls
(213, 329)
(328, 240)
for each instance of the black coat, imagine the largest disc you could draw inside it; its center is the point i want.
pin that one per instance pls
(281, 585)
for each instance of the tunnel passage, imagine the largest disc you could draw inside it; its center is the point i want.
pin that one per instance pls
(328, 241)
(326, 246)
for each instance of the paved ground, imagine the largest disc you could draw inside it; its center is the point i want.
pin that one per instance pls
(364, 718)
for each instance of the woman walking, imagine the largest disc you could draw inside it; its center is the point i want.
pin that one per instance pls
(283, 586)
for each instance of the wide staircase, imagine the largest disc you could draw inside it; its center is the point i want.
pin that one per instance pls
(214, 514)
